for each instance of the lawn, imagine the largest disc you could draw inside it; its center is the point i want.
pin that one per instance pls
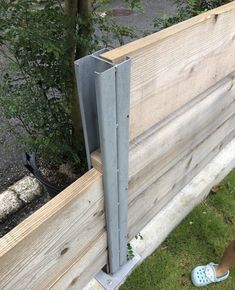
(199, 239)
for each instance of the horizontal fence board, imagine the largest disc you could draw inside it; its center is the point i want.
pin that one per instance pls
(161, 192)
(82, 269)
(154, 155)
(169, 156)
(173, 66)
(175, 132)
(119, 54)
(151, 173)
(161, 147)
(39, 249)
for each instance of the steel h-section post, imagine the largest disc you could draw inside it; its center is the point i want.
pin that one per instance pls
(123, 109)
(106, 105)
(104, 93)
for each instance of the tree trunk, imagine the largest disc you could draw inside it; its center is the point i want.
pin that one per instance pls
(85, 30)
(71, 10)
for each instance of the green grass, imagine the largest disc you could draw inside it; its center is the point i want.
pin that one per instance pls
(199, 239)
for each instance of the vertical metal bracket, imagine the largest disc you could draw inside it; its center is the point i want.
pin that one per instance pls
(85, 69)
(104, 93)
(111, 282)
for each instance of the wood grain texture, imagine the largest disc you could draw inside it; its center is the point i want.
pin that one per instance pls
(43, 246)
(154, 152)
(120, 53)
(167, 157)
(83, 269)
(160, 193)
(182, 204)
(173, 66)
(96, 160)
(153, 156)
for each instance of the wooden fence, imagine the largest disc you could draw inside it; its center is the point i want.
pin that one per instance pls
(163, 162)
(62, 244)
(171, 67)
(182, 114)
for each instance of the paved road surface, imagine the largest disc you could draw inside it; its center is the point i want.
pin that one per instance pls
(152, 9)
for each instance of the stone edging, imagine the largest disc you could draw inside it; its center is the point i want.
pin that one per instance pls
(18, 195)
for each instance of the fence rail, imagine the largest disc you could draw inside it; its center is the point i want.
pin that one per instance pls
(182, 113)
(171, 67)
(55, 246)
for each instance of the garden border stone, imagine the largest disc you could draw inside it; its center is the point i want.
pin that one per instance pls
(18, 195)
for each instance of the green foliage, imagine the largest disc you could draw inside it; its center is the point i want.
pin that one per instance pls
(135, 4)
(106, 30)
(139, 236)
(185, 10)
(109, 31)
(37, 81)
(130, 252)
(37, 73)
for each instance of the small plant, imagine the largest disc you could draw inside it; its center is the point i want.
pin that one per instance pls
(135, 4)
(130, 253)
(139, 236)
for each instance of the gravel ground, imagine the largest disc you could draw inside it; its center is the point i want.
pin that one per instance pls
(11, 166)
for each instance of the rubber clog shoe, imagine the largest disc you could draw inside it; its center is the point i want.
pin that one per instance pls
(204, 275)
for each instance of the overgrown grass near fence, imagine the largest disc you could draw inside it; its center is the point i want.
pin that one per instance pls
(199, 239)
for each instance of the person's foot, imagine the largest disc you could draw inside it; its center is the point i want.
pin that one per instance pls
(205, 275)
(221, 271)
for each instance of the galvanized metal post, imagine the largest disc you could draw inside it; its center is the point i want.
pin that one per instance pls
(104, 92)
(123, 110)
(106, 105)
(85, 74)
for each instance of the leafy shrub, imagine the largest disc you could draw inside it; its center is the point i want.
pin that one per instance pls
(35, 83)
(38, 77)
(185, 10)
